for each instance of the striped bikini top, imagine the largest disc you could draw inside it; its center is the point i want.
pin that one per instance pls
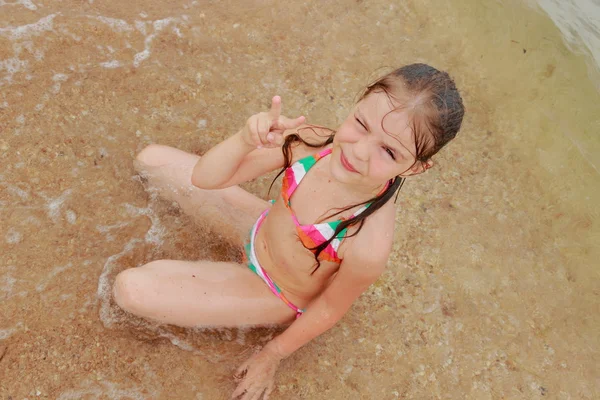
(313, 235)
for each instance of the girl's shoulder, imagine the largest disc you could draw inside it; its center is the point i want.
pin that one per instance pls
(375, 237)
(315, 135)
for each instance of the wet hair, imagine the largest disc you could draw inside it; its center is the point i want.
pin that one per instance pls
(435, 110)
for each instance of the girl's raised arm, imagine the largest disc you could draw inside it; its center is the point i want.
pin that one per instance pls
(250, 153)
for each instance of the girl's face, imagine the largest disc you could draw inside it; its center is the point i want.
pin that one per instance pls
(364, 154)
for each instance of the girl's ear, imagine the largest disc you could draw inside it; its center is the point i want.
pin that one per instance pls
(419, 168)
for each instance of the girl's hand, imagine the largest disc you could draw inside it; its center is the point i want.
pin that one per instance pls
(266, 129)
(256, 376)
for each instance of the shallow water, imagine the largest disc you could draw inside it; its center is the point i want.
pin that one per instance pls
(492, 289)
(579, 23)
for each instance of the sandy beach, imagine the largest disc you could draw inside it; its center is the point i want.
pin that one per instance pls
(492, 290)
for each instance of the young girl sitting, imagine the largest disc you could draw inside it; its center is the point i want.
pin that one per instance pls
(320, 244)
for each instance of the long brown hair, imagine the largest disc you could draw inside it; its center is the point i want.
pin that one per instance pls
(436, 116)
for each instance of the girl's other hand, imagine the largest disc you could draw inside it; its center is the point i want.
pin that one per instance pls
(256, 376)
(266, 129)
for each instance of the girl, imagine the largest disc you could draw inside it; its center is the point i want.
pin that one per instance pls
(321, 243)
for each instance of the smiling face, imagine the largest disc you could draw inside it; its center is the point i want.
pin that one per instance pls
(367, 154)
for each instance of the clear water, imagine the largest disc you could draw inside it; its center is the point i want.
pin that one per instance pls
(579, 23)
(492, 290)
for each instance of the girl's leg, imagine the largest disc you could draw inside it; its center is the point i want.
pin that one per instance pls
(231, 212)
(193, 294)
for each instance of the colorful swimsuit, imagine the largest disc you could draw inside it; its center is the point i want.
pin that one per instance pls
(310, 235)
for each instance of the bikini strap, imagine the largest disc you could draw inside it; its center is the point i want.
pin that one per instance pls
(294, 174)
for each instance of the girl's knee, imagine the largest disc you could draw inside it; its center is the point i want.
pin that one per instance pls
(152, 154)
(129, 289)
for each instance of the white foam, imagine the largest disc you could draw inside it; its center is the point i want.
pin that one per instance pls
(71, 217)
(55, 271)
(111, 64)
(53, 205)
(156, 231)
(13, 236)
(74, 36)
(141, 56)
(15, 190)
(104, 285)
(84, 307)
(158, 26)
(25, 3)
(106, 389)
(45, 98)
(28, 4)
(141, 26)
(5, 333)
(38, 54)
(12, 66)
(162, 23)
(107, 228)
(31, 220)
(60, 77)
(9, 283)
(43, 25)
(20, 119)
(118, 25)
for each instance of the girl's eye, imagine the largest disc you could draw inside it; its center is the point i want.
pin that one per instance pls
(390, 152)
(361, 124)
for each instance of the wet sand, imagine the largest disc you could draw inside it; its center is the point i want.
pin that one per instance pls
(492, 291)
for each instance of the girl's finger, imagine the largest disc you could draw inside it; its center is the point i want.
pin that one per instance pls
(279, 139)
(240, 390)
(257, 394)
(250, 127)
(248, 393)
(269, 390)
(241, 371)
(287, 123)
(255, 123)
(275, 111)
(263, 130)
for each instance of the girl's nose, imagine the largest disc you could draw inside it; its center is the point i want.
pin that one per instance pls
(361, 149)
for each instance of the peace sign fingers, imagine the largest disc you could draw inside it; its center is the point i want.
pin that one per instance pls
(288, 123)
(275, 110)
(266, 129)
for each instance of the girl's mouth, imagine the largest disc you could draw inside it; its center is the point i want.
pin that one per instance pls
(346, 163)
